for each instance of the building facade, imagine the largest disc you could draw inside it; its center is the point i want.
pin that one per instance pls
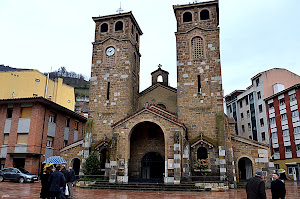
(159, 133)
(284, 124)
(248, 108)
(32, 129)
(32, 83)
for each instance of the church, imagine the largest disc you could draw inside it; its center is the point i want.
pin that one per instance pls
(160, 133)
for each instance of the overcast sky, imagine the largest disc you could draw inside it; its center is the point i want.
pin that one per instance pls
(256, 35)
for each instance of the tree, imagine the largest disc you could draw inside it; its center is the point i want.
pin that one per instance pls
(91, 165)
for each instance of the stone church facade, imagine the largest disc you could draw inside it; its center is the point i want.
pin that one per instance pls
(160, 132)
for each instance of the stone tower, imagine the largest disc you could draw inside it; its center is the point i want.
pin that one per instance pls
(115, 71)
(199, 91)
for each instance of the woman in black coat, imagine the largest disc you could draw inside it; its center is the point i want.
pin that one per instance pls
(45, 191)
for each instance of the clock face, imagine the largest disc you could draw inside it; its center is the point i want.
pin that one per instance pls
(110, 51)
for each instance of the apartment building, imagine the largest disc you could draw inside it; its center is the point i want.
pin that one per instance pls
(32, 129)
(284, 124)
(248, 108)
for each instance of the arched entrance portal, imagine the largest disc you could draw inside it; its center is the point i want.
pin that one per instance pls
(245, 169)
(76, 165)
(152, 166)
(147, 152)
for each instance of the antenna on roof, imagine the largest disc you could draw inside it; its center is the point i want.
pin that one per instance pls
(120, 10)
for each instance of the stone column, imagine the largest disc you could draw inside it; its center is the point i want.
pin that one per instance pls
(177, 158)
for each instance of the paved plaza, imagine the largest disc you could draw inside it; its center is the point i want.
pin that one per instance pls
(32, 190)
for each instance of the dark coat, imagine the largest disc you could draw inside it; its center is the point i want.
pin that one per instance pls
(57, 180)
(45, 191)
(65, 172)
(278, 189)
(71, 176)
(255, 188)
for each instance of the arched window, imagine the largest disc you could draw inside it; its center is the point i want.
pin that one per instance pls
(119, 26)
(162, 105)
(137, 38)
(187, 17)
(104, 27)
(202, 153)
(197, 48)
(204, 14)
(159, 78)
(134, 63)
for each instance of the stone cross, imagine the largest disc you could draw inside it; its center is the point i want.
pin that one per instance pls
(159, 65)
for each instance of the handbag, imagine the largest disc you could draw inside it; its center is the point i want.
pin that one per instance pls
(67, 190)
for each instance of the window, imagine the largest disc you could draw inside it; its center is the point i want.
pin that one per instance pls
(276, 150)
(281, 102)
(298, 147)
(295, 113)
(37, 80)
(242, 116)
(67, 122)
(49, 142)
(9, 112)
(260, 108)
(296, 129)
(134, 63)
(257, 82)
(162, 106)
(132, 29)
(247, 102)
(202, 153)
(107, 91)
(274, 135)
(6, 136)
(293, 97)
(262, 123)
(204, 14)
(263, 136)
(25, 112)
(52, 117)
(199, 84)
(22, 139)
(137, 37)
(76, 125)
(241, 104)
(119, 26)
(276, 166)
(104, 27)
(285, 132)
(197, 48)
(230, 109)
(272, 120)
(248, 114)
(283, 117)
(249, 127)
(187, 17)
(243, 128)
(271, 105)
(65, 143)
(288, 149)
(290, 170)
(258, 95)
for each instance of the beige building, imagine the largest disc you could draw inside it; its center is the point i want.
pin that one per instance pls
(158, 134)
(32, 83)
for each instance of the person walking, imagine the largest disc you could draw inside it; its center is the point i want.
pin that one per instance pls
(255, 187)
(70, 180)
(57, 181)
(66, 173)
(277, 187)
(45, 191)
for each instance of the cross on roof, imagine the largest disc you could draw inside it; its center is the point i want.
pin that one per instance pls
(159, 65)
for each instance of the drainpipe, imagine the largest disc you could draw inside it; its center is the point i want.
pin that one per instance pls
(42, 141)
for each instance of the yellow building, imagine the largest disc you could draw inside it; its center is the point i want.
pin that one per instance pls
(32, 83)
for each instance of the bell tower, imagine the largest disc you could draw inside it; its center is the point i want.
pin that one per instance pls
(114, 84)
(199, 89)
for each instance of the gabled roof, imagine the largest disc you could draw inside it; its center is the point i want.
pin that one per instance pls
(202, 140)
(248, 141)
(101, 143)
(72, 145)
(158, 84)
(156, 110)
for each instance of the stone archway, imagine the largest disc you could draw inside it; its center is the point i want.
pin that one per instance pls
(147, 152)
(76, 165)
(245, 169)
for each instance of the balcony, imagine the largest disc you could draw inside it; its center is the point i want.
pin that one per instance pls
(20, 148)
(7, 126)
(276, 156)
(3, 151)
(288, 155)
(24, 125)
(288, 143)
(51, 129)
(271, 110)
(282, 107)
(286, 138)
(66, 133)
(284, 122)
(292, 103)
(295, 119)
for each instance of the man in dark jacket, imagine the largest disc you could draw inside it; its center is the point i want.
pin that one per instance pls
(57, 181)
(70, 180)
(277, 187)
(66, 173)
(255, 187)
